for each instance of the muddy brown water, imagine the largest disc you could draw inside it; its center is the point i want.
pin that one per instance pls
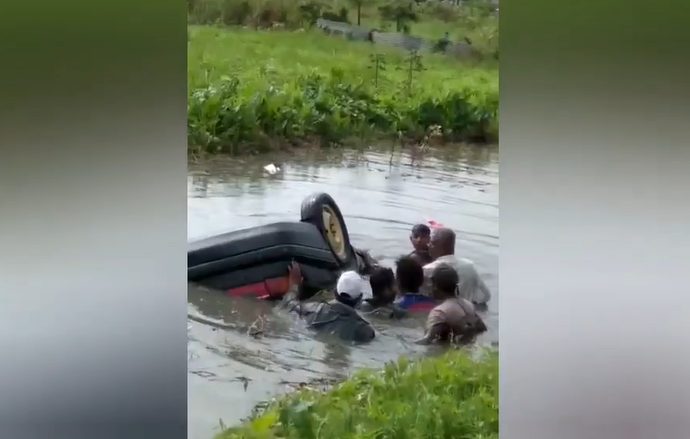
(382, 194)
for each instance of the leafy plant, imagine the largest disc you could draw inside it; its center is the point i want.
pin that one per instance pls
(452, 396)
(413, 65)
(378, 64)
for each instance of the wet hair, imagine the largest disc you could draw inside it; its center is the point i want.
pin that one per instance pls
(421, 230)
(445, 280)
(410, 274)
(380, 279)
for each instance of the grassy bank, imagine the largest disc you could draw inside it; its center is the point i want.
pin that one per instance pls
(475, 20)
(450, 396)
(255, 90)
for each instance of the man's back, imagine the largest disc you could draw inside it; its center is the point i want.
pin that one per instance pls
(341, 320)
(338, 316)
(454, 318)
(389, 311)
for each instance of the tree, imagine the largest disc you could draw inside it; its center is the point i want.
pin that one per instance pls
(311, 10)
(358, 4)
(401, 14)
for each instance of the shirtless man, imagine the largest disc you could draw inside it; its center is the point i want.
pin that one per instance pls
(420, 242)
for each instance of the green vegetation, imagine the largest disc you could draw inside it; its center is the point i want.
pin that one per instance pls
(475, 23)
(452, 396)
(255, 90)
(261, 77)
(430, 19)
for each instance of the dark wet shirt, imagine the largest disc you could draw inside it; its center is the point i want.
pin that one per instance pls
(385, 311)
(331, 317)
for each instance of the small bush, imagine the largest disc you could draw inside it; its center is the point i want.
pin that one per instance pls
(341, 15)
(451, 396)
(236, 12)
(322, 107)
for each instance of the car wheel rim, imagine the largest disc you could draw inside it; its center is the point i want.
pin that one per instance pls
(334, 232)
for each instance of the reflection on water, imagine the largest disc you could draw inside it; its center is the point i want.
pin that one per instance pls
(242, 351)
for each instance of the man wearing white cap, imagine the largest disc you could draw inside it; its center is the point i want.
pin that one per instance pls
(337, 316)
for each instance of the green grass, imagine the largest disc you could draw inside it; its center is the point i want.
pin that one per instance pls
(435, 19)
(261, 57)
(452, 396)
(253, 90)
(473, 20)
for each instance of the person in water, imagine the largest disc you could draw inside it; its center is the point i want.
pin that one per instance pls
(454, 319)
(442, 249)
(337, 316)
(383, 291)
(410, 277)
(420, 236)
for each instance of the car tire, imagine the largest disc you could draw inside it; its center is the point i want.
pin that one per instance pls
(322, 211)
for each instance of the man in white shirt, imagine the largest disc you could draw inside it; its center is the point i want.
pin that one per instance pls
(442, 248)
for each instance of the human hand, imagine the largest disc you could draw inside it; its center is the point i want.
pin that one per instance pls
(295, 274)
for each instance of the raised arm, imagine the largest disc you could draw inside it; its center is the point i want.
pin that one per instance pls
(291, 297)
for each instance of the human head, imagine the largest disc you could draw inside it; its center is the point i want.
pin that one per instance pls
(442, 242)
(444, 281)
(420, 237)
(410, 274)
(382, 282)
(350, 288)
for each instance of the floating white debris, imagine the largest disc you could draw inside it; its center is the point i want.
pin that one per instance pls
(271, 169)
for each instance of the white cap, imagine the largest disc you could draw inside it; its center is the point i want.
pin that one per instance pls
(352, 284)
